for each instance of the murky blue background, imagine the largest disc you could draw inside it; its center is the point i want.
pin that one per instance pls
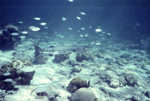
(116, 16)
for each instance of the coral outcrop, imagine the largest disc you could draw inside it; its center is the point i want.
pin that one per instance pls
(86, 56)
(7, 40)
(77, 83)
(84, 94)
(17, 72)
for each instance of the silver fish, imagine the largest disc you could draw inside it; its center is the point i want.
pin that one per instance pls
(60, 50)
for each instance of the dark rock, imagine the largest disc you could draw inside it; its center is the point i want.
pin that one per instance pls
(131, 80)
(77, 83)
(110, 60)
(60, 58)
(8, 84)
(147, 94)
(11, 28)
(6, 75)
(136, 98)
(26, 75)
(105, 77)
(85, 56)
(122, 81)
(1, 84)
(138, 59)
(7, 41)
(73, 63)
(125, 56)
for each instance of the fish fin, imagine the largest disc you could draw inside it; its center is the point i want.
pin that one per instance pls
(33, 91)
(88, 84)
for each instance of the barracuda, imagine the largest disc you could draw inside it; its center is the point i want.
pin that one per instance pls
(60, 50)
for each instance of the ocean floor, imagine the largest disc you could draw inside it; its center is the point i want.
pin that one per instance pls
(113, 72)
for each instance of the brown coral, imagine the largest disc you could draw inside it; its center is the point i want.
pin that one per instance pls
(77, 83)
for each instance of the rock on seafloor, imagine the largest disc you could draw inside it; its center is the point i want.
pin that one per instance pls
(83, 94)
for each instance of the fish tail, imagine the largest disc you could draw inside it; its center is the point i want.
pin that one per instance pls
(37, 50)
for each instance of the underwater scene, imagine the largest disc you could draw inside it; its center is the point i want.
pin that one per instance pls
(74, 50)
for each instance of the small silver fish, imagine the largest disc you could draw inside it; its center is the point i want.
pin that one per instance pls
(60, 50)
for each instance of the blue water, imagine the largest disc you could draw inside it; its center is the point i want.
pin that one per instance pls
(125, 20)
(112, 15)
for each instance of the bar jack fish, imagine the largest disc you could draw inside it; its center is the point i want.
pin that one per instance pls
(53, 50)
